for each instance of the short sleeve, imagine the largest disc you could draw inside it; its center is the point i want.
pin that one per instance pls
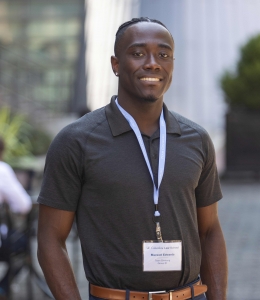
(208, 190)
(61, 186)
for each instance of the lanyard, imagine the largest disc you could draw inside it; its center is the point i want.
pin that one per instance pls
(162, 154)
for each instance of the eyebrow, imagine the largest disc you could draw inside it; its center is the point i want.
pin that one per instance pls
(166, 46)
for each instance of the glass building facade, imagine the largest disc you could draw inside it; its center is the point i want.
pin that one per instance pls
(40, 42)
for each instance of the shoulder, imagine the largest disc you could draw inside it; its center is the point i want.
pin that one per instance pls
(5, 169)
(70, 142)
(78, 131)
(186, 123)
(7, 174)
(192, 129)
(84, 125)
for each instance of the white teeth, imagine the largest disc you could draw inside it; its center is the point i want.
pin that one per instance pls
(149, 79)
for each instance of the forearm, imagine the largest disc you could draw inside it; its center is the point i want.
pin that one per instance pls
(58, 272)
(214, 267)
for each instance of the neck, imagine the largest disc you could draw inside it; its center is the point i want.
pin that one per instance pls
(146, 114)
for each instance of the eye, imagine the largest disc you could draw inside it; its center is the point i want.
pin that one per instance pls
(138, 54)
(163, 55)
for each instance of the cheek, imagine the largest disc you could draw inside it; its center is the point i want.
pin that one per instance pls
(170, 72)
(170, 79)
(129, 67)
(168, 83)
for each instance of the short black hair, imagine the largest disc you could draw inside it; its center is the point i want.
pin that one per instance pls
(122, 28)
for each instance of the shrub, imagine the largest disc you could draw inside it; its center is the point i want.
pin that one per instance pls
(15, 132)
(21, 139)
(242, 88)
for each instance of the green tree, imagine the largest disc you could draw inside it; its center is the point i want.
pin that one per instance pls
(242, 87)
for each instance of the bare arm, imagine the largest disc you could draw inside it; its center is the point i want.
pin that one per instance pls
(214, 268)
(53, 230)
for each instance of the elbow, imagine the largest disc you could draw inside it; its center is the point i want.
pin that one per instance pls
(48, 248)
(23, 207)
(40, 253)
(26, 208)
(27, 205)
(43, 248)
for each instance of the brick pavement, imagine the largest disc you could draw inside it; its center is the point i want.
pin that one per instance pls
(239, 213)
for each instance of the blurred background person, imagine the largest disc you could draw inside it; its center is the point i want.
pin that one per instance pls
(18, 201)
(11, 190)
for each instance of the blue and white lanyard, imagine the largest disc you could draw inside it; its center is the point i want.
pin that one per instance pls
(162, 154)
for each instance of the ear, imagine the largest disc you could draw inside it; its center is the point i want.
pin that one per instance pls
(115, 65)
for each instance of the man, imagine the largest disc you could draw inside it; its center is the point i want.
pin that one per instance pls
(143, 185)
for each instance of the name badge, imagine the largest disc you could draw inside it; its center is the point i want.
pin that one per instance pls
(162, 256)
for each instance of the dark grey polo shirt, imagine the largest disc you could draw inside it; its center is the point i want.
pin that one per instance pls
(95, 167)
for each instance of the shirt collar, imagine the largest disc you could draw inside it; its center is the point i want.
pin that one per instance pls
(118, 124)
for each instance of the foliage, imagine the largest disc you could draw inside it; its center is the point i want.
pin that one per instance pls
(242, 88)
(21, 139)
(40, 141)
(15, 132)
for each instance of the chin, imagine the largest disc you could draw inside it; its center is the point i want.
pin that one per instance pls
(150, 98)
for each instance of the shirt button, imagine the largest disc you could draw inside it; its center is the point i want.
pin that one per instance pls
(154, 155)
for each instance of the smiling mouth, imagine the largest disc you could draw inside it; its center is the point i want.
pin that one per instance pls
(150, 79)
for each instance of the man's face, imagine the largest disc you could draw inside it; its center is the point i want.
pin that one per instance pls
(144, 62)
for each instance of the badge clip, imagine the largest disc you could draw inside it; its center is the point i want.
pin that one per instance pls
(158, 232)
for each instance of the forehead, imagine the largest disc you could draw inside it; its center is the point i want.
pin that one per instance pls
(146, 33)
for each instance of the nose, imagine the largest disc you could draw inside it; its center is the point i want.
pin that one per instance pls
(151, 63)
